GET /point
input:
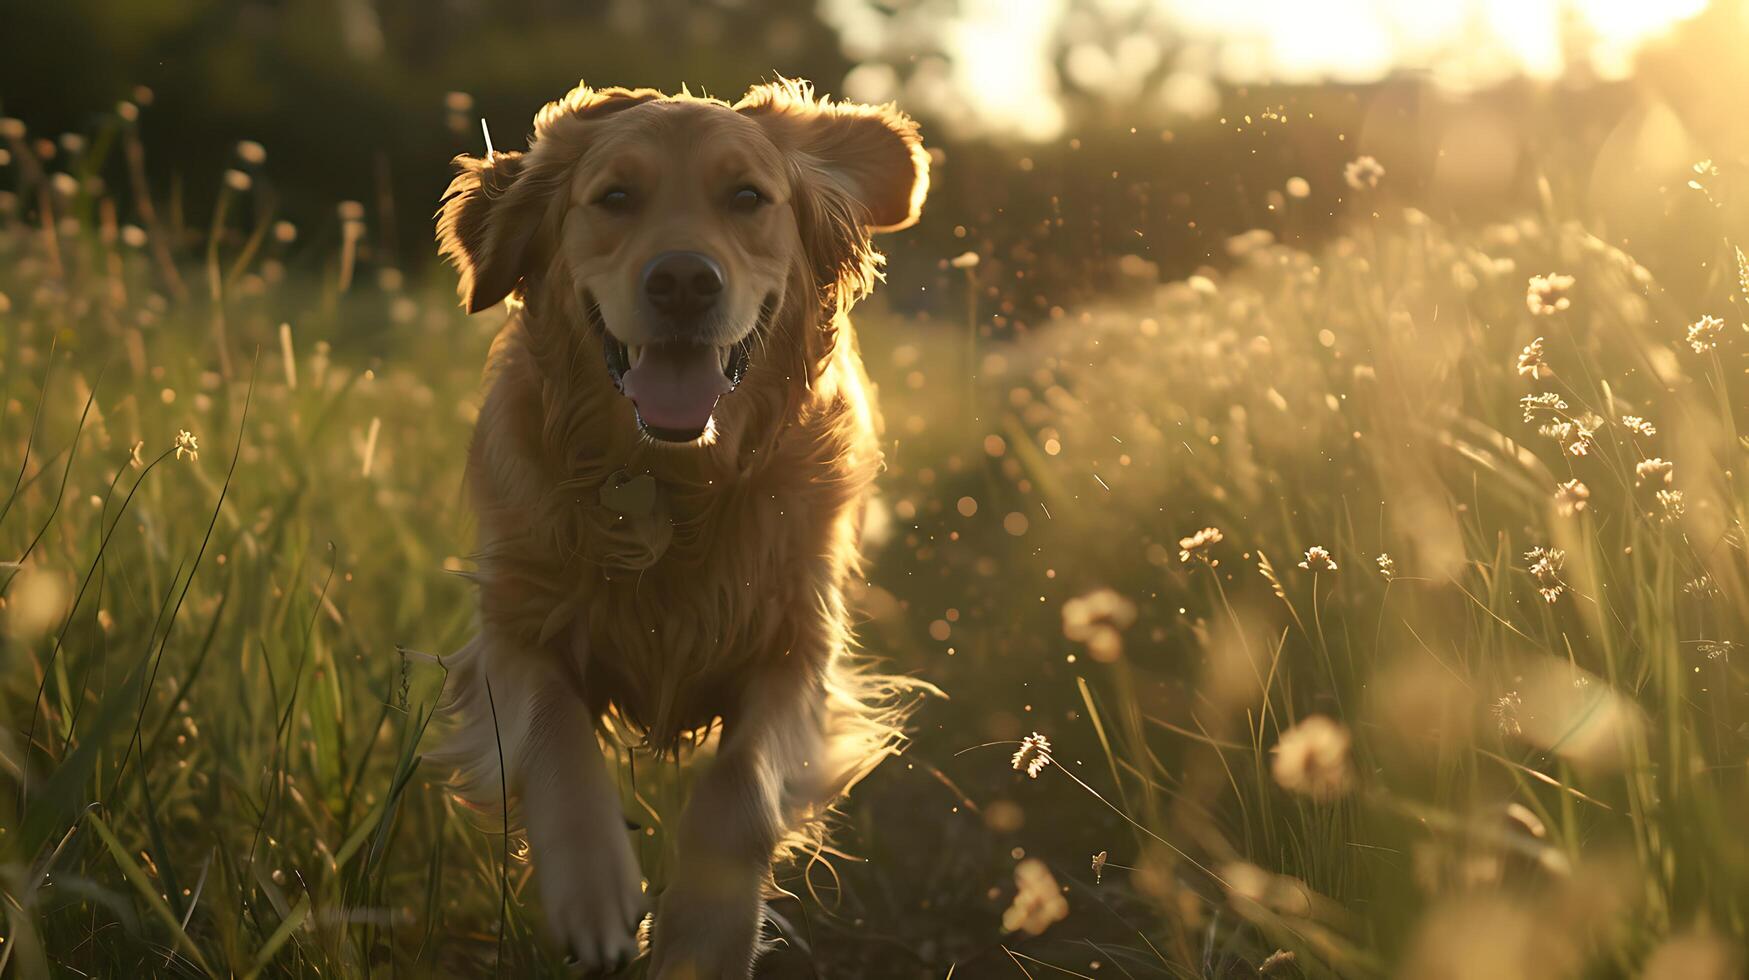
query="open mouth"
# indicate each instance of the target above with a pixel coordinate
(674, 385)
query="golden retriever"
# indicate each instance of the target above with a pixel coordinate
(670, 470)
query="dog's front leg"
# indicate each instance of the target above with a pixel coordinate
(521, 706)
(762, 780)
(588, 876)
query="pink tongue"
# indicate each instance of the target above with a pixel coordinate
(676, 386)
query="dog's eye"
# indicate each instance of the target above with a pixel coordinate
(746, 198)
(615, 199)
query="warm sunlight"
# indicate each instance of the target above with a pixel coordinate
(874, 489)
(1003, 67)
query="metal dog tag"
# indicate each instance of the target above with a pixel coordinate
(631, 495)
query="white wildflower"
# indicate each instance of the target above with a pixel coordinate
(1363, 173)
(1033, 756)
(1545, 566)
(1547, 295)
(1318, 559)
(1312, 759)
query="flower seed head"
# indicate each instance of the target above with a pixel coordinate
(1547, 295)
(1363, 173)
(187, 444)
(1318, 559)
(1312, 759)
(1196, 546)
(1033, 756)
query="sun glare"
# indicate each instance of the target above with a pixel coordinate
(1005, 68)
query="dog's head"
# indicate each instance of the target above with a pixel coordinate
(685, 238)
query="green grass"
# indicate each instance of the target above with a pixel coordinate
(212, 735)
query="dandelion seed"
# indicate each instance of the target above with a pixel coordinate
(252, 153)
(187, 443)
(1719, 650)
(1531, 363)
(1099, 866)
(1033, 756)
(1387, 566)
(1298, 188)
(1318, 560)
(1703, 334)
(1634, 423)
(1196, 547)
(1505, 711)
(1038, 900)
(1702, 586)
(1547, 295)
(1311, 759)
(964, 260)
(238, 181)
(1583, 437)
(1545, 566)
(1363, 173)
(1672, 504)
(1571, 497)
(1098, 620)
(1575, 436)
(1536, 406)
(1654, 470)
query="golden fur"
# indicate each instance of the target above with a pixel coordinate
(714, 589)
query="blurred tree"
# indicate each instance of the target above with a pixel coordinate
(348, 95)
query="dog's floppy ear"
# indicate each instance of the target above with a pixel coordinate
(486, 221)
(873, 155)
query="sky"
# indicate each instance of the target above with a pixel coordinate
(1002, 67)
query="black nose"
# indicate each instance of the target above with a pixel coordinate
(683, 285)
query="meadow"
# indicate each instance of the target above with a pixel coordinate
(1362, 608)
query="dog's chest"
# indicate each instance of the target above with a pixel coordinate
(735, 575)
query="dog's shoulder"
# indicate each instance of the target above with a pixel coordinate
(505, 464)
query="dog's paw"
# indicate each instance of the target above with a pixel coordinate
(709, 932)
(593, 899)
